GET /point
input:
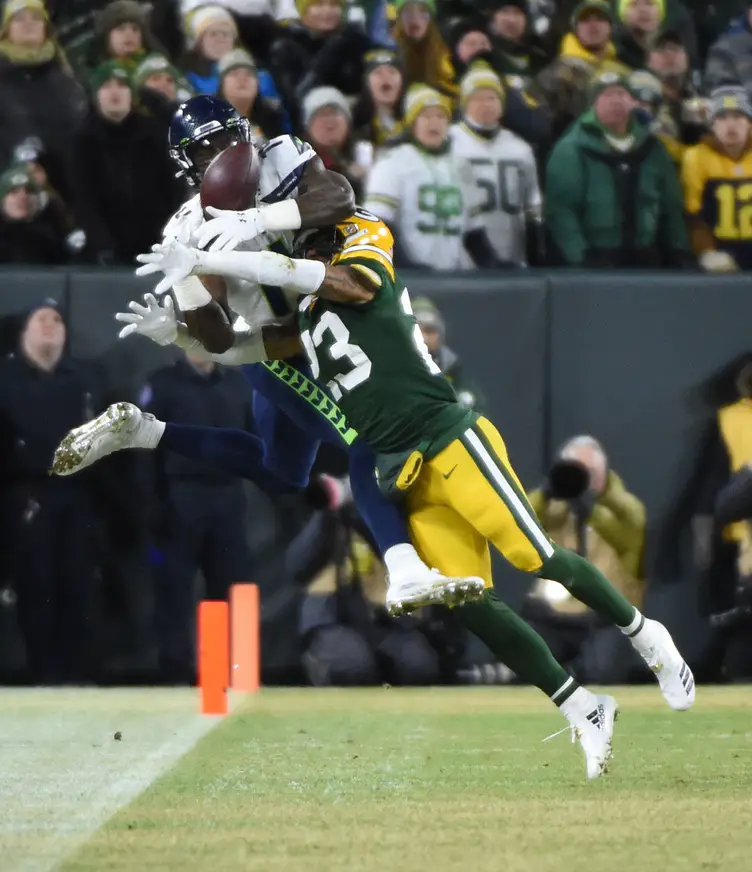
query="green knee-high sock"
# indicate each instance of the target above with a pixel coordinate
(517, 645)
(588, 585)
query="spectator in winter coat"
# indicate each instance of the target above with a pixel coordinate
(211, 33)
(328, 127)
(729, 61)
(516, 51)
(377, 116)
(38, 95)
(425, 57)
(318, 50)
(612, 194)
(159, 87)
(503, 167)
(641, 23)
(586, 51)
(426, 193)
(685, 112)
(524, 115)
(122, 33)
(125, 186)
(30, 231)
(717, 175)
(239, 85)
(256, 20)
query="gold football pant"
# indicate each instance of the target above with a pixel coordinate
(467, 496)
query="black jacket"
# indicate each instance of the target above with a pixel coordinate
(43, 101)
(300, 61)
(125, 186)
(37, 409)
(41, 240)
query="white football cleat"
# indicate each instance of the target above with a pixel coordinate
(656, 647)
(431, 588)
(121, 425)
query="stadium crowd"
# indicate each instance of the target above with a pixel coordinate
(487, 133)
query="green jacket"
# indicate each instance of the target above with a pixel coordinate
(608, 208)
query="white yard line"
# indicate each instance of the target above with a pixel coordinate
(63, 774)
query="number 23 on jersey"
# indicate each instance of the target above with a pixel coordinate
(331, 337)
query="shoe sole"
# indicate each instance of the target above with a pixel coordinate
(68, 458)
(453, 594)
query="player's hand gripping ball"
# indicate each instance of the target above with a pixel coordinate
(231, 180)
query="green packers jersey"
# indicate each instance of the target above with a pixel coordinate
(372, 356)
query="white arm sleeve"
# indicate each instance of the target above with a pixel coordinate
(264, 268)
(383, 190)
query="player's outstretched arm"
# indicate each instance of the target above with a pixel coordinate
(340, 283)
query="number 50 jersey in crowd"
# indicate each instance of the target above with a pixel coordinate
(372, 356)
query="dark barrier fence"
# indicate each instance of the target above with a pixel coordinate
(612, 354)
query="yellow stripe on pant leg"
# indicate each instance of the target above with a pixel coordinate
(457, 479)
(445, 540)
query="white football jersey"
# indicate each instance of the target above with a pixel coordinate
(504, 171)
(429, 202)
(283, 160)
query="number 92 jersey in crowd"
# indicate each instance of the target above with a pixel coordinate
(372, 356)
(283, 160)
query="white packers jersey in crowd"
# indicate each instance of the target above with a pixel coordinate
(428, 201)
(505, 172)
(282, 162)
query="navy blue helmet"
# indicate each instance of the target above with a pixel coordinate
(200, 129)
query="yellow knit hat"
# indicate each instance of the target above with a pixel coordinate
(302, 5)
(420, 97)
(13, 7)
(479, 76)
(625, 4)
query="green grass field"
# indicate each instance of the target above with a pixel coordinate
(442, 780)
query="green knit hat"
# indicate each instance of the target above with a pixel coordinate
(151, 64)
(109, 70)
(400, 5)
(17, 177)
(606, 80)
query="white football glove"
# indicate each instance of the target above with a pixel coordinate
(172, 258)
(718, 262)
(186, 222)
(230, 228)
(157, 322)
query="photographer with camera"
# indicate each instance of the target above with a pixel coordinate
(584, 505)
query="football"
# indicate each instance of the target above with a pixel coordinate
(231, 180)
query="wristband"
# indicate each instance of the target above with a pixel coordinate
(191, 294)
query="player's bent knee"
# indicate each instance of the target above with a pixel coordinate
(561, 566)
